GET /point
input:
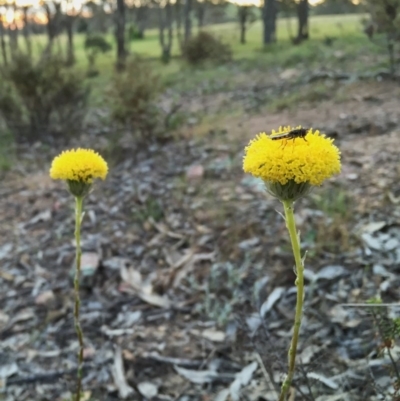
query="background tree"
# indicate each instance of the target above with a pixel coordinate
(165, 24)
(3, 40)
(216, 11)
(99, 17)
(385, 19)
(120, 20)
(302, 14)
(13, 30)
(26, 29)
(269, 21)
(200, 12)
(95, 44)
(246, 17)
(53, 14)
(72, 12)
(288, 8)
(338, 7)
(141, 16)
(178, 19)
(187, 11)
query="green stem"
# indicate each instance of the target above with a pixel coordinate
(294, 238)
(78, 220)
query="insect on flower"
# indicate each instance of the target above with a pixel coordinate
(293, 134)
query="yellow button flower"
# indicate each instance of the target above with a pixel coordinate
(291, 162)
(312, 159)
(78, 167)
(295, 163)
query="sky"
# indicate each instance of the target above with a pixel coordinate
(29, 2)
(9, 17)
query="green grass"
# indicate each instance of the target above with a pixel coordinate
(346, 27)
(250, 57)
(312, 94)
(350, 51)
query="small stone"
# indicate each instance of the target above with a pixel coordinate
(391, 244)
(195, 172)
(45, 298)
(192, 121)
(289, 73)
(147, 389)
(90, 262)
(249, 243)
(352, 176)
(88, 353)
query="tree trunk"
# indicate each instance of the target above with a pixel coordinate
(269, 21)
(242, 14)
(49, 28)
(91, 56)
(141, 18)
(169, 23)
(178, 19)
(243, 34)
(14, 33)
(26, 31)
(302, 14)
(3, 44)
(120, 34)
(166, 23)
(188, 21)
(13, 39)
(201, 12)
(69, 26)
(53, 25)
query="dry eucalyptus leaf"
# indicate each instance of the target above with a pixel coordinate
(271, 300)
(117, 370)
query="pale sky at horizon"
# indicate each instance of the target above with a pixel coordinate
(36, 2)
(77, 4)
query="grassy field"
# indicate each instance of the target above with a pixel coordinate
(350, 43)
(345, 28)
(350, 52)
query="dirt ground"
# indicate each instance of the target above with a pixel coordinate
(188, 288)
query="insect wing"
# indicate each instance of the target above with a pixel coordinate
(293, 134)
(281, 136)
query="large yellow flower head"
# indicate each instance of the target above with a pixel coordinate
(292, 162)
(78, 167)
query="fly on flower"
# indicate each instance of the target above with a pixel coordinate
(293, 134)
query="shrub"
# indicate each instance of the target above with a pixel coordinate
(134, 33)
(82, 25)
(206, 47)
(10, 108)
(7, 149)
(385, 18)
(132, 99)
(95, 44)
(42, 99)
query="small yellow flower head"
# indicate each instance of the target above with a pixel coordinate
(78, 167)
(290, 167)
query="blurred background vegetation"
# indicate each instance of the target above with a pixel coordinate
(65, 61)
